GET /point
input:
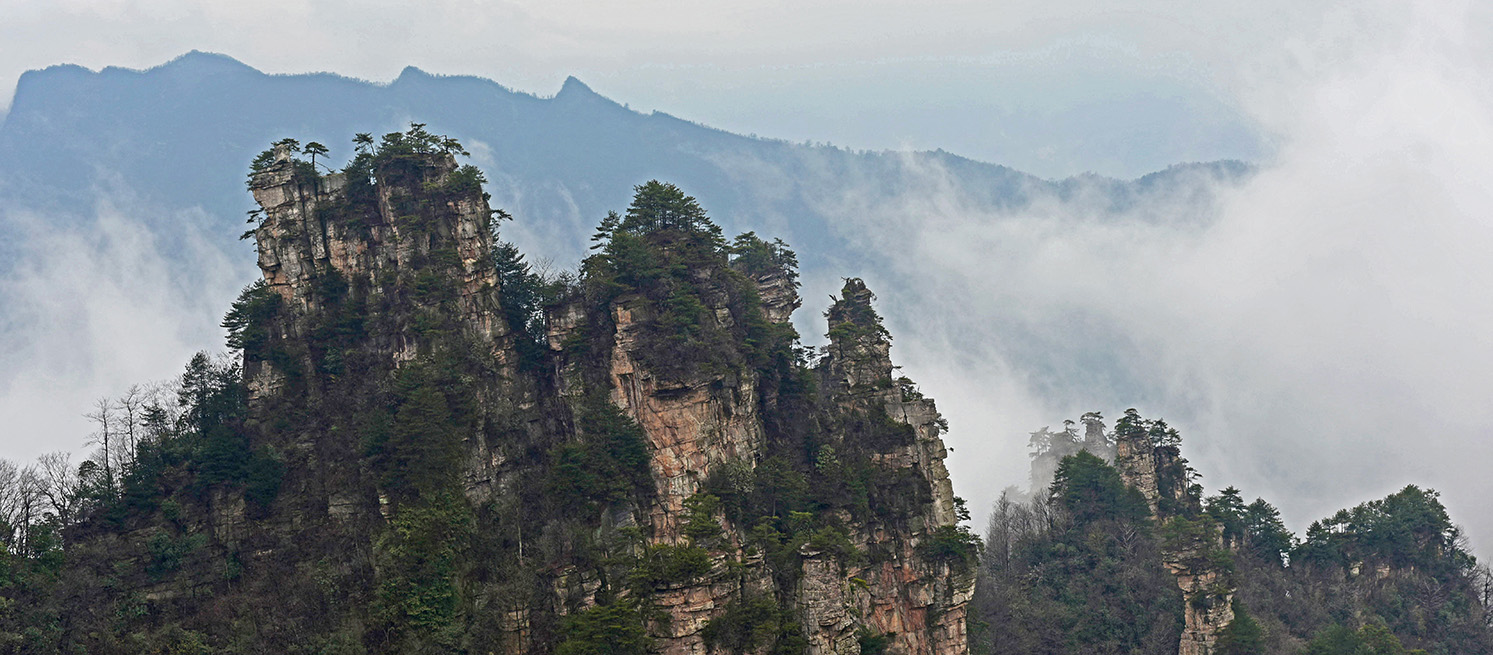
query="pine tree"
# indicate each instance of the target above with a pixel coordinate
(1243, 635)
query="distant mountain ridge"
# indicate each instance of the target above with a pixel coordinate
(557, 163)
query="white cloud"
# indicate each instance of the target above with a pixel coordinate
(1319, 336)
(96, 305)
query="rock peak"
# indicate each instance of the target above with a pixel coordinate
(574, 88)
(199, 62)
(859, 350)
(852, 319)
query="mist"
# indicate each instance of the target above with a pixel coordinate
(94, 307)
(1317, 334)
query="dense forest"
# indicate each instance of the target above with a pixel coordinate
(1083, 565)
(416, 443)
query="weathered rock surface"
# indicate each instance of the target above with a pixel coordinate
(922, 602)
(1207, 590)
(419, 462)
(696, 424)
(302, 235)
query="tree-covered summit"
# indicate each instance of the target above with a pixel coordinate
(1077, 565)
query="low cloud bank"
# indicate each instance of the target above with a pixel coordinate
(92, 309)
(1318, 333)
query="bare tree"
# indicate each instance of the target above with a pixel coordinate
(10, 503)
(1482, 583)
(60, 485)
(103, 417)
(1001, 534)
(21, 501)
(30, 500)
(132, 409)
(162, 412)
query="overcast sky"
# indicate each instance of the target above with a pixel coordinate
(1323, 342)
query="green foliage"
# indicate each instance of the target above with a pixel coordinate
(248, 320)
(1373, 638)
(362, 456)
(785, 515)
(521, 297)
(169, 640)
(211, 440)
(835, 541)
(1132, 426)
(1256, 527)
(669, 264)
(1077, 572)
(699, 517)
(659, 208)
(953, 545)
(873, 643)
(420, 592)
(746, 624)
(853, 319)
(420, 451)
(167, 552)
(608, 463)
(262, 161)
(1092, 490)
(1267, 535)
(416, 142)
(262, 477)
(314, 150)
(1242, 636)
(334, 330)
(616, 628)
(756, 257)
(754, 624)
(464, 181)
(1398, 559)
(664, 565)
(1407, 528)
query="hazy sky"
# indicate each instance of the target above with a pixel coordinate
(1321, 342)
(1052, 88)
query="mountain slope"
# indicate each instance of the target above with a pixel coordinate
(424, 448)
(558, 162)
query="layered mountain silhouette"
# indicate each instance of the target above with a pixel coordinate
(166, 134)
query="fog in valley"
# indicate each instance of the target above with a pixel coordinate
(1315, 329)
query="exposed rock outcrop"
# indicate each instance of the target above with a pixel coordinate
(1208, 592)
(431, 449)
(696, 424)
(921, 601)
(1194, 547)
(1135, 457)
(310, 227)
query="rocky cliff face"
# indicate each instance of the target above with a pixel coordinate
(700, 424)
(923, 602)
(461, 457)
(1135, 457)
(311, 228)
(1209, 593)
(1193, 546)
